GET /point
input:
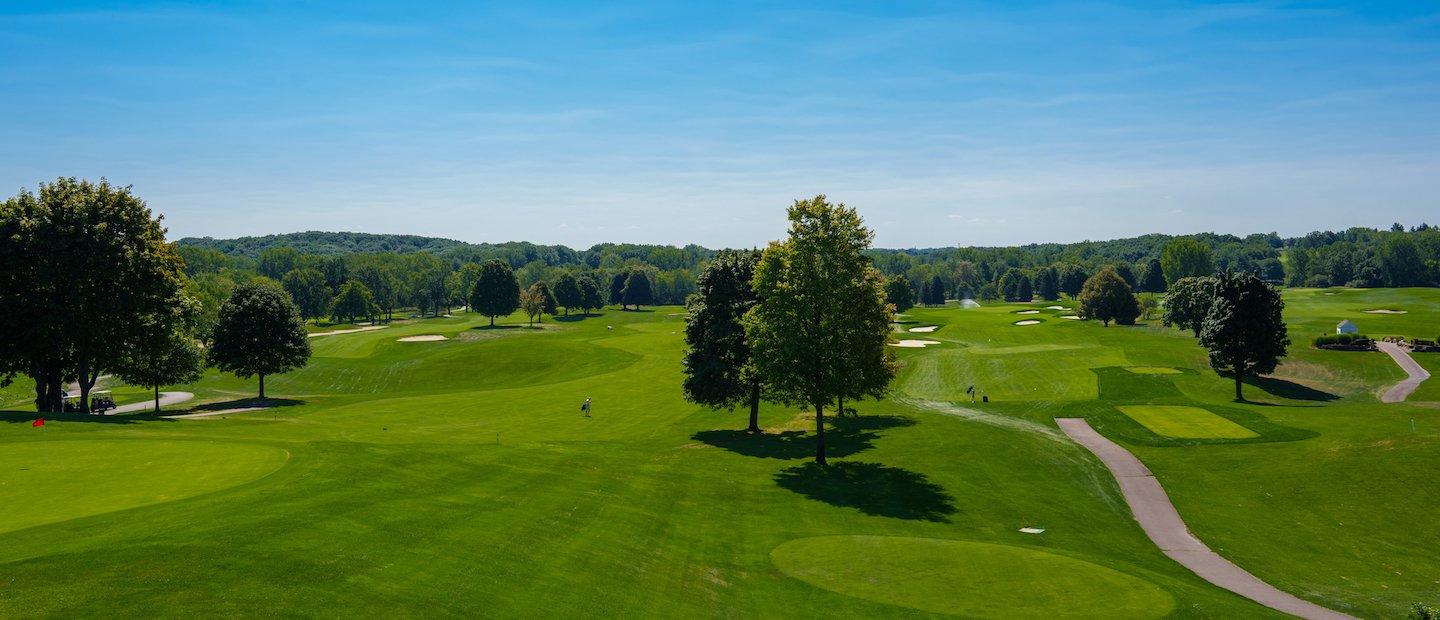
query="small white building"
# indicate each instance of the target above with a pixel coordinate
(1346, 327)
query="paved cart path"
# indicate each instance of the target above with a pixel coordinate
(1161, 522)
(1400, 391)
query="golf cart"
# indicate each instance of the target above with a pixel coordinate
(100, 402)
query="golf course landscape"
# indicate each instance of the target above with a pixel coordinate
(457, 476)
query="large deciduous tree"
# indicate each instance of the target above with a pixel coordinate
(1152, 277)
(567, 292)
(617, 288)
(384, 284)
(354, 300)
(1184, 257)
(1047, 283)
(1188, 303)
(87, 277)
(815, 337)
(169, 359)
(496, 292)
(900, 293)
(427, 282)
(1107, 297)
(638, 289)
(309, 290)
(591, 298)
(547, 299)
(532, 301)
(259, 333)
(1244, 330)
(460, 282)
(1072, 279)
(719, 372)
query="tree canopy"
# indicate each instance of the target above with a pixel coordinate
(1244, 330)
(353, 301)
(496, 292)
(638, 291)
(1184, 257)
(900, 293)
(1107, 297)
(309, 290)
(259, 333)
(1189, 302)
(718, 370)
(567, 292)
(819, 333)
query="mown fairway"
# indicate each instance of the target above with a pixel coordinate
(459, 478)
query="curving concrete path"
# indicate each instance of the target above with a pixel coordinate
(166, 399)
(1402, 390)
(1162, 523)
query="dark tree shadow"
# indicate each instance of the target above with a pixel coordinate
(503, 326)
(871, 488)
(857, 422)
(787, 445)
(242, 403)
(568, 319)
(1289, 389)
(28, 417)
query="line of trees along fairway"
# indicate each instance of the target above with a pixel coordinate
(86, 280)
(719, 370)
(354, 301)
(259, 333)
(818, 334)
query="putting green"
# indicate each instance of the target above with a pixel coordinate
(52, 481)
(968, 578)
(1152, 370)
(1181, 422)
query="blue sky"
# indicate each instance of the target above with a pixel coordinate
(944, 123)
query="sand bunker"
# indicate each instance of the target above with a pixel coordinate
(1056, 308)
(1028, 312)
(1032, 530)
(1027, 322)
(425, 338)
(924, 330)
(1072, 317)
(1385, 311)
(914, 344)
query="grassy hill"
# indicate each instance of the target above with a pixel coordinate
(458, 477)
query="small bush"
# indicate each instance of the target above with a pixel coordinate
(1421, 611)
(1344, 340)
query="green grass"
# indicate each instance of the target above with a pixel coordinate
(458, 478)
(1183, 422)
(978, 580)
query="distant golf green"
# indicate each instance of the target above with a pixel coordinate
(459, 478)
(1183, 422)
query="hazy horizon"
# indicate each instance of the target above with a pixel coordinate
(943, 124)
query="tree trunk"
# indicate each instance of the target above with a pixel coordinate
(840, 410)
(820, 435)
(492, 321)
(157, 399)
(262, 386)
(87, 382)
(1239, 378)
(754, 407)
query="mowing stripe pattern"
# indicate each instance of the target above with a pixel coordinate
(1162, 523)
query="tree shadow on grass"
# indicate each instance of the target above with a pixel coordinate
(1289, 389)
(28, 417)
(786, 445)
(871, 488)
(502, 326)
(244, 403)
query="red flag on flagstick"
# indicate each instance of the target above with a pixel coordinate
(38, 422)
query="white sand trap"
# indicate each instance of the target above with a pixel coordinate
(1072, 317)
(337, 332)
(1027, 322)
(1028, 312)
(924, 330)
(425, 338)
(1033, 530)
(914, 344)
(1056, 308)
(969, 303)
(1385, 311)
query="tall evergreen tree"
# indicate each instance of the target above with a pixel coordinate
(1107, 297)
(260, 332)
(1244, 331)
(718, 370)
(496, 292)
(819, 333)
(1047, 284)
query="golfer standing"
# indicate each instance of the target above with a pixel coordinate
(585, 406)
